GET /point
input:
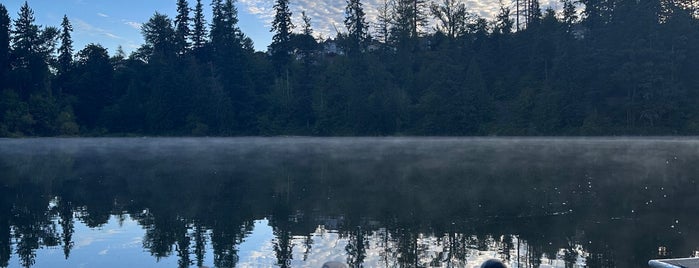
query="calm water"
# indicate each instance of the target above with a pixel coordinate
(299, 202)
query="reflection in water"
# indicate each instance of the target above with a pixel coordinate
(293, 202)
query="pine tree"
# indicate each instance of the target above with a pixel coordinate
(159, 35)
(25, 35)
(225, 34)
(355, 22)
(199, 33)
(65, 52)
(182, 31)
(4, 44)
(503, 23)
(409, 18)
(534, 13)
(281, 26)
(569, 14)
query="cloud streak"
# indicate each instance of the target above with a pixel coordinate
(91, 30)
(133, 24)
(102, 15)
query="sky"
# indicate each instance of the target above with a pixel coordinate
(114, 23)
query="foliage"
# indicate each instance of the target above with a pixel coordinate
(616, 67)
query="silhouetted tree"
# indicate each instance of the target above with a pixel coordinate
(199, 32)
(281, 27)
(357, 27)
(182, 30)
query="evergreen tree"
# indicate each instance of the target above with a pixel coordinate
(225, 33)
(32, 51)
(65, 51)
(25, 35)
(4, 45)
(355, 22)
(159, 35)
(409, 18)
(182, 31)
(199, 32)
(570, 15)
(281, 26)
(504, 23)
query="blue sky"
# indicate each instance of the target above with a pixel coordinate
(117, 22)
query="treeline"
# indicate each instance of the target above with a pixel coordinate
(598, 67)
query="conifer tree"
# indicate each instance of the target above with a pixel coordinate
(65, 51)
(25, 35)
(182, 31)
(281, 26)
(199, 32)
(355, 22)
(4, 44)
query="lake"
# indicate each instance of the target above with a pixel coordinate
(376, 202)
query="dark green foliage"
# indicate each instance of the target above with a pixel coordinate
(182, 31)
(4, 45)
(65, 51)
(199, 31)
(355, 21)
(281, 27)
(624, 67)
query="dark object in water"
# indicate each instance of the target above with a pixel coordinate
(675, 263)
(493, 264)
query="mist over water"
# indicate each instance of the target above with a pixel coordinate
(600, 202)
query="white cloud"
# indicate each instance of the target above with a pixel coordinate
(327, 16)
(133, 24)
(102, 15)
(89, 29)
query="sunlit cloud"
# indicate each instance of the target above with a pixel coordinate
(102, 15)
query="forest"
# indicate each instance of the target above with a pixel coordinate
(423, 68)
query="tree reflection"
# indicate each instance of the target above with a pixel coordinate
(408, 208)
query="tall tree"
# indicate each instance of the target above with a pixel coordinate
(357, 27)
(570, 15)
(159, 35)
(182, 31)
(383, 23)
(281, 26)
(409, 18)
(65, 51)
(25, 35)
(225, 33)
(32, 50)
(452, 17)
(199, 32)
(503, 23)
(4, 44)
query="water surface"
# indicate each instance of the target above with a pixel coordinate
(377, 202)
